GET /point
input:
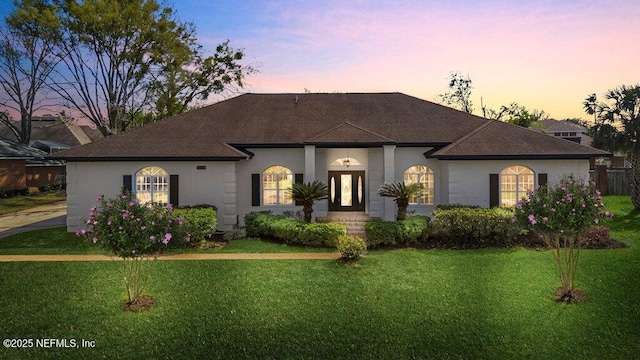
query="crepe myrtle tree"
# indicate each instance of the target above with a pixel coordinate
(557, 215)
(307, 194)
(401, 193)
(136, 232)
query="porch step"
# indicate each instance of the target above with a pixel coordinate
(354, 222)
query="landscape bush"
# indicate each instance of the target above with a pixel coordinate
(350, 247)
(290, 231)
(14, 192)
(473, 227)
(322, 234)
(392, 233)
(200, 222)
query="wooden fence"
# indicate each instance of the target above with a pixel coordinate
(619, 181)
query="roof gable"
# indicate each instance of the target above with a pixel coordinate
(348, 133)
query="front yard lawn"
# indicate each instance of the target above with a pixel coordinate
(400, 304)
(439, 304)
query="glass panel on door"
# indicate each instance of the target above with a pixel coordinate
(346, 195)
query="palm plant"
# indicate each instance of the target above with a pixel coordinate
(402, 193)
(307, 194)
(617, 128)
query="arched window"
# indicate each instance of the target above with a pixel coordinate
(515, 181)
(276, 182)
(422, 175)
(152, 185)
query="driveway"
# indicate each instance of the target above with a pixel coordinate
(41, 217)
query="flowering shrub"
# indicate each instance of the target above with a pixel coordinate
(570, 207)
(128, 228)
(132, 230)
(558, 215)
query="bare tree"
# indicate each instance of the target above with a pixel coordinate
(459, 95)
(26, 61)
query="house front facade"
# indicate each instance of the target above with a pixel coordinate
(243, 154)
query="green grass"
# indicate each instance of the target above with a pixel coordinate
(625, 224)
(402, 304)
(18, 203)
(488, 304)
(58, 241)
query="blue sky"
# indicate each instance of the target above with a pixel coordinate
(545, 55)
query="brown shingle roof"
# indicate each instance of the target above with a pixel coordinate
(254, 120)
(500, 140)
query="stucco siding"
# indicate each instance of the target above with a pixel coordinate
(468, 181)
(213, 184)
(410, 156)
(292, 158)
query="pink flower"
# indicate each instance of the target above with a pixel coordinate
(133, 252)
(608, 213)
(532, 219)
(545, 219)
(95, 239)
(152, 238)
(167, 237)
(109, 223)
(100, 197)
(187, 239)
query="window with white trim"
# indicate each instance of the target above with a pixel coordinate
(423, 175)
(152, 185)
(515, 182)
(276, 184)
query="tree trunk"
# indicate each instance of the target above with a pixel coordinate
(308, 210)
(402, 209)
(635, 179)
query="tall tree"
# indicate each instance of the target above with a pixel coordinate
(617, 128)
(459, 95)
(520, 115)
(123, 58)
(187, 75)
(108, 48)
(26, 60)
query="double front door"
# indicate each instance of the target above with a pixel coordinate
(346, 190)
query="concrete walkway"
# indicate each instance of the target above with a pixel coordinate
(41, 217)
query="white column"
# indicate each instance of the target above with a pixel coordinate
(309, 163)
(389, 177)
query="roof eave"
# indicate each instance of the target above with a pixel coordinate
(521, 157)
(151, 158)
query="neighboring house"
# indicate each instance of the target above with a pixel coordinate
(60, 134)
(567, 130)
(22, 166)
(577, 133)
(243, 154)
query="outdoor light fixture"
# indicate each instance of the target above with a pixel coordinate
(346, 162)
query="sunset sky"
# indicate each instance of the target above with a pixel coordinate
(545, 55)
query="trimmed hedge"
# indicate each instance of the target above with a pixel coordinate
(474, 227)
(14, 192)
(200, 222)
(350, 247)
(290, 231)
(391, 233)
